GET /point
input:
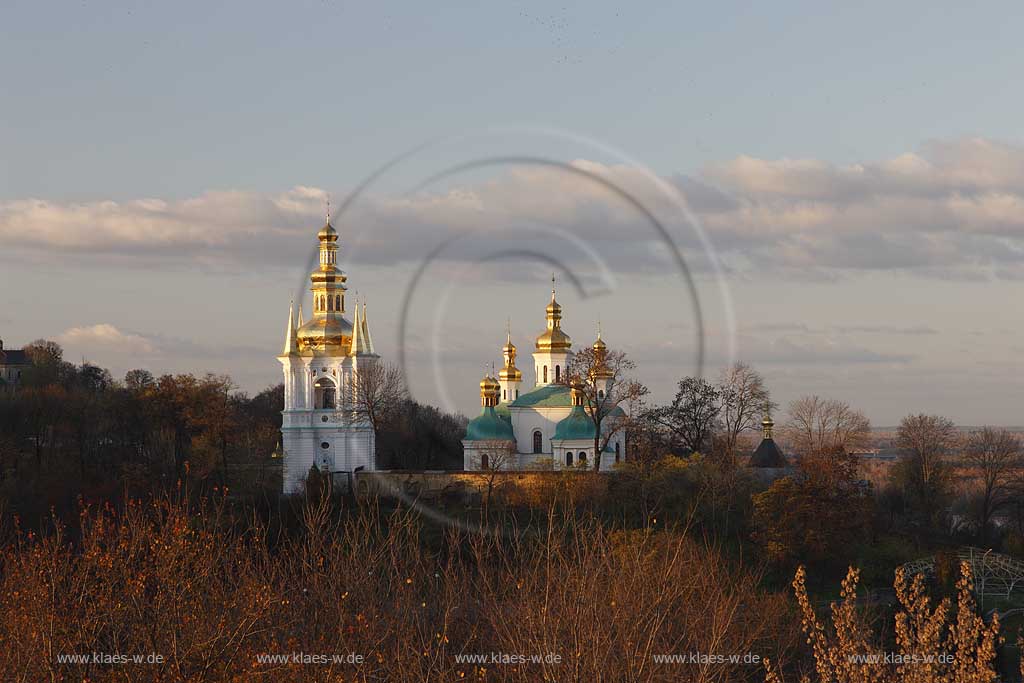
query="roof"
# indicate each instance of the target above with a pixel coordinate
(577, 425)
(489, 426)
(548, 396)
(503, 412)
(14, 357)
(767, 454)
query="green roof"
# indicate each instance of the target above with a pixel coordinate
(489, 426)
(549, 396)
(503, 412)
(577, 425)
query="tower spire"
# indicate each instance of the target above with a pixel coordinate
(290, 343)
(367, 339)
(357, 342)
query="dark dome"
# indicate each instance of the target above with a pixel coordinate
(767, 455)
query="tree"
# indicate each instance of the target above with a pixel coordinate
(692, 417)
(377, 391)
(819, 425)
(995, 456)
(48, 364)
(500, 456)
(927, 441)
(744, 401)
(818, 514)
(600, 377)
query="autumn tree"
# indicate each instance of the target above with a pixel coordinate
(994, 455)
(744, 401)
(821, 425)
(925, 470)
(817, 514)
(692, 417)
(600, 376)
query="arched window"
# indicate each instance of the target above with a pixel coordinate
(517, 393)
(504, 395)
(568, 459)
(485, 462)
(583, 457)
(337, 302)
(600, 393)
(558, 373)
(538, 442)
(324, 394)
(545, 374)
(617, 455)
(330, 304)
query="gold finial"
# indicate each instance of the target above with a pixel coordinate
(552, 286)
(508, 330)
(328, 208)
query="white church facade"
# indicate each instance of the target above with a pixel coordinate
(546, 426)
(321, 359)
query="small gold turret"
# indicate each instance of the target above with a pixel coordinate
(553, 339)
(489, 391)
(767, 425)
(601, 369)
(509, 373)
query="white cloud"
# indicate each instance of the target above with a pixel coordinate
(104, 338)
(953, 209)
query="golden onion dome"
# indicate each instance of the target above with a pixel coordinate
(326, 333)
(510, 373)
(489, 383)
(599, 344)
(327, 233)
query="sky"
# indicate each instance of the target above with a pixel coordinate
(833, 193)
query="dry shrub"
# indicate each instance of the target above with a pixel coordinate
(212, 596)
(932, 645)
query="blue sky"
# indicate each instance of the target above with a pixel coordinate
(121, 102)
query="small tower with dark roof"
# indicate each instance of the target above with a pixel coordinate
(767, 454)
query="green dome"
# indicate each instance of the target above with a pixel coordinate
(576, 426)
(489, 426)
(503, 412)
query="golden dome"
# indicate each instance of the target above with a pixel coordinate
(328, 233)
(509, 373)
(326, 332)
(553, 339)
(488, 383)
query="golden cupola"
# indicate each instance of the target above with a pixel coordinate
(553, 338)
(327, 331)
(509, 373)
(601, 369)
(490, 390)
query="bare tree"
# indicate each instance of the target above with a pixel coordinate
(820, 425)
(995, 455)
(377, 391)
(927, 441)
(601, 377)
(692, 417)
(744, 400)
(496, 456)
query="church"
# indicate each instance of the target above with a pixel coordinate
(547, 426)
(321, 359)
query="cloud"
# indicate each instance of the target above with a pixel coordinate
(104, 338)
(952, 209)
